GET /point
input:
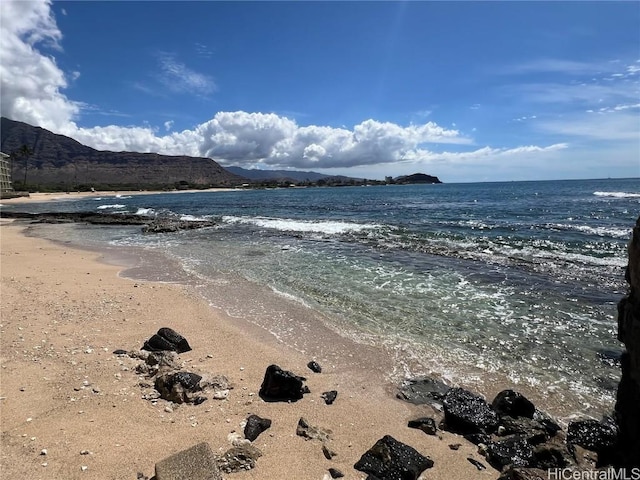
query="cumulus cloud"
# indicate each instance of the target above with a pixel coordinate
(31, 82)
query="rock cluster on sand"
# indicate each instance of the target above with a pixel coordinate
(513, 435)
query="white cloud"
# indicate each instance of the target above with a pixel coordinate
(168, 125)
(181, 79)
(610, 125)
(31, 82)
(558, 65)
(600, 108)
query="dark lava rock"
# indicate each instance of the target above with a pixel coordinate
(255, 426)
(314, 367)
(335, 473)
(426, 424)
(476, 463)
(477, 438)
(628, 397)
(592, 434)
(168, 225)
(178, 387)
(329, 397)
(519, 473)
(120, 351)
(514, 404)
(511, 451)
(239, 459)
(534, 431)
(466, 412)
(422, 391)
(390, 459)
(281, 386)
(79, 217)
(613, 358)
(328, 453)
(310, 432)
(547, 422)
(551, 456)
(455, 446)
(167, 339)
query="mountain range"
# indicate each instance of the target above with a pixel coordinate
(59, 162)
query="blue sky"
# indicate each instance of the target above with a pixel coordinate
(467, 91)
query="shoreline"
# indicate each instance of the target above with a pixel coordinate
(81, 309)
(38, 197)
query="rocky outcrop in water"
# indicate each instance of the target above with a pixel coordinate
(79, 217)
(627, 410)
(150, 224)
(169, 225)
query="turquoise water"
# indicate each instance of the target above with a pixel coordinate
(515, 281)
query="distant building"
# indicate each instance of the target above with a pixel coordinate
(5, 174)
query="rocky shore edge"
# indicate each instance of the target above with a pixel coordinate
(150, 224)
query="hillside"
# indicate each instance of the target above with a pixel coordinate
(61, 163)
(416, 178)
(294, 176)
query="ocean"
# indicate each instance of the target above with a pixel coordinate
(512, 284)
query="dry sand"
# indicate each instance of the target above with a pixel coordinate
(63, 313)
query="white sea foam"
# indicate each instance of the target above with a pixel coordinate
(292, 225)
(111, 207)
(617, 194)
(599, 231)
(193, 218)
(145, 211)
(289, 296)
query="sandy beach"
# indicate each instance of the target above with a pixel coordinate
(39, 197)
(65, 311)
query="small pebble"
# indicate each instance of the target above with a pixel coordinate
(43, 451)
(44, 464)
(220, 394)
(85, 452)
(84, 468)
